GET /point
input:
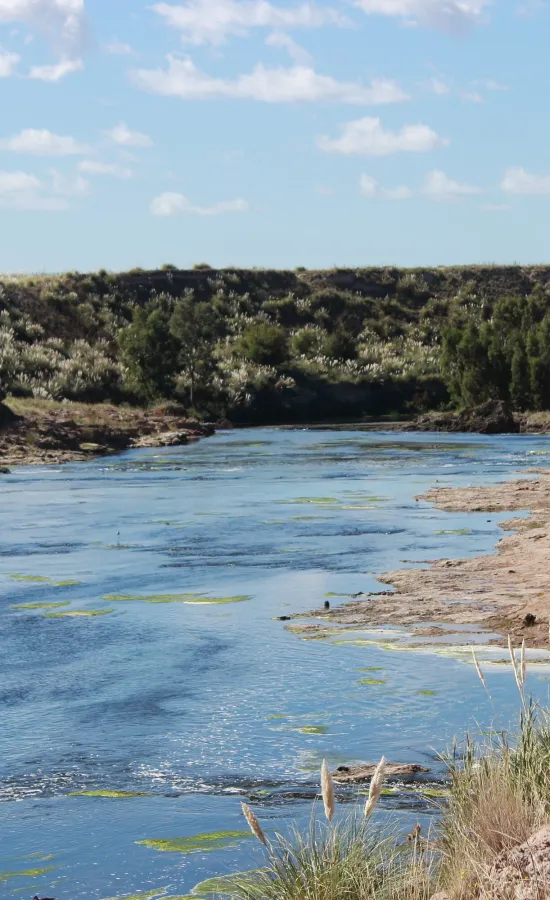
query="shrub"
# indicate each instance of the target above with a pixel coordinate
(263, 344)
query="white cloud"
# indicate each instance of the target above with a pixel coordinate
(62, 21)
(369, 187)
(453, 16)
(42, 143)
(398, 193)
(213, 21)
(438, 86)
(280, 85)
(285, 42)
(490, 85)
(471, 97)
(368, 137)
(15, 182)
(92, 167)
(69, 186)
(118, 48)
(23, 192)
(517, 181)
(324, 190)
(171, 204)
(438, 186)
(124, 137)
(57, 71)
(8, 63)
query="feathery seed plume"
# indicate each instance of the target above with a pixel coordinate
(327, 790)
(375, 787)
(523, 662)
(478, 669)
(254, 824)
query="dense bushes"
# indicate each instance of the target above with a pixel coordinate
(274, 346)
(501, 352)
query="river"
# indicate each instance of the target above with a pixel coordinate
(182, 687)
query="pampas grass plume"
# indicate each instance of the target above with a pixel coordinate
(255, 826)
(327, 790)
(375, 787)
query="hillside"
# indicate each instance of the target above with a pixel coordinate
(261, 345)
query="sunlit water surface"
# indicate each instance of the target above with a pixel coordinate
(198, 706)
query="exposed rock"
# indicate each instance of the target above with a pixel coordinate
(522, 873)
(365, 771)
(165, 439)
(493, 417)
(4, 470)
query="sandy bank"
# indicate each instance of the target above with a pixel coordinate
(496, 592)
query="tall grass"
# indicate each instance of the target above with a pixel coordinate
(499, 796)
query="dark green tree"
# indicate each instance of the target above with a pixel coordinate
(264, 344)
(340, 345)
(150, 354)
(194, 326)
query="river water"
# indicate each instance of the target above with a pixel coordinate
(197, 705)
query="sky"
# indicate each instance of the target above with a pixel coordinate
(276, 133)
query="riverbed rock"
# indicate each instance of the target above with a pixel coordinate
(365, 771)
(492, 417)
(165, 439)
(522, 873)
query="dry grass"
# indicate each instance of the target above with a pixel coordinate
(81, 413)
(499, 796)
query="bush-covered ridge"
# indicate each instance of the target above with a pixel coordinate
(263, 345)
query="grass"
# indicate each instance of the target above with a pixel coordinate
(498, 796)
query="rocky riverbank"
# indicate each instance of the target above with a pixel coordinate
(507, 593)
(37, 433)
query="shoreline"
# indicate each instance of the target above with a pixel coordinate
(495, 592)
(47, 433)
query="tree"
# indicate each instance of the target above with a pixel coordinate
(519, 378)
(264, 344)
(149, 351)
(340, 345)
(194, 326)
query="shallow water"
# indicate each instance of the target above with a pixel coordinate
(197, 705)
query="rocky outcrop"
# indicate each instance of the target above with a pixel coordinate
(522, 873)
(75, 432)
(365, 771)
(493, 417)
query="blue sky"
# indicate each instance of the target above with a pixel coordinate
(273, 133)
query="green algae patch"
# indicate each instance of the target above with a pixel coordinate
(198, 843)
(79, 614)
(223, 885)
(152, 598)
(33, 578)
(372, 681)
(313, 729)
(276, 716)
(371, 669)
(455, 531)
(427, 693)
(27, 873)
(66, 583)
(113, 795)
(24, 606)
(209, 601)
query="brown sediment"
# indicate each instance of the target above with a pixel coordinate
(48, 433)
(495, 592)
